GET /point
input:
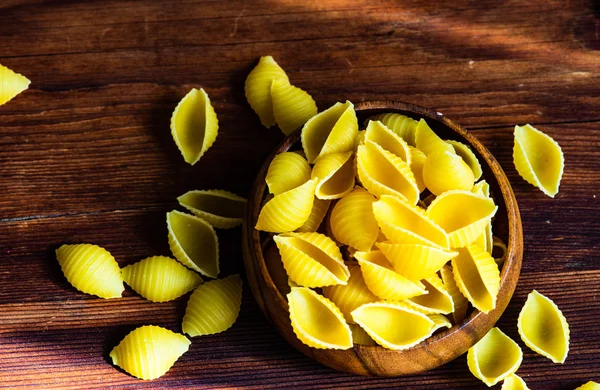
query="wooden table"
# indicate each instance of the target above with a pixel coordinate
(86, 155)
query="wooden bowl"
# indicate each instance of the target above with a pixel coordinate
(269, 282)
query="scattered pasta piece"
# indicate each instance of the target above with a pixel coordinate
(429, 142)
(445, 171)
(544, 328)
(335, 175)
(194, 243)
(148, 352)
(289, 210)
(194, 125)
(352, 221)
(591, 385)
(287, 171)
(378, 133)
(91, 270)
(258, 88)
(213, 307)
(538, 159)
(402, 125)
(316, 216)
(415, 261)
(477, 277)
(417, 162)
(436, 300)
(465, 152)
(317, 321)
(494, 357)
(461, 304)
(331, 131)
(222, 209)
(160, 278)
(11, 84)
(514, 382)
(292, 106)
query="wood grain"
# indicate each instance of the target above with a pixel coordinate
(86, 156)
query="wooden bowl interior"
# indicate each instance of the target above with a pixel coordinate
(269, 282)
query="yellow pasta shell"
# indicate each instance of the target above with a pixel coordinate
(429, 142)
(289, 210)
(292, 106)
(465, 152)
(439, 321)
(462, 214)
(91, 270)
(360, 337)
(317, 214)
(331, 131)
(160, 278)
(477, 277)
(444, 171)
(287, 171)
(383, 281)
(352, 295)
(194, 243)
(11, 84)
(402, 125)
(494, 357)
(591, 385)
(352, 221)
(383, 173)
(335, 175)
(194, 125)
(461, 304)
(417, 162)
(316, 321)
(482, 188)
(393, 325)
(213, 307)
(222, 209)
(538, 159)
(514, 382)
(544, 328)
(415, 261)
(436, 300)
(312, 259)
(258, 88)
(378, 133)
(403, 223)
(149, 351)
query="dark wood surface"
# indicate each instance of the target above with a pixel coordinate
(86, 156)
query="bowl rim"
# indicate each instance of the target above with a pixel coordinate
(509, 272)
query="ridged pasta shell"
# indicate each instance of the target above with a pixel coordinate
(222, 209)
(194, 125)
(498, 243)
(591, 385)
(317, 214)
(287, 171)
(461, 304)
(11, 84)
(292, 106)
(331, 131)
(494, 357)
(160, 278)
(445, 171)
(427, 141)
(465, 152)
(352, 295)
(383, 173)
(335, 175)
(439, 321)
(149, 351)
(393, 325)
(544, 328)
(360, 337)
(258, 88)
(194, 243)
(417, 162)
(482, 188)
(378, 133)
(477, 277)
(316, 321)
(402, 125)
(514, 382)
(91, 270)
(538, 159)
(312, 259)
(415, 261)
(360, 139)
(485, 239)
(289, 210)
(352, 221)
(462, 214)
(383, 281)
(437, 299)
(403, 223)
(213, 307)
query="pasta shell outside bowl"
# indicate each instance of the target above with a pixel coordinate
(268, 280)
